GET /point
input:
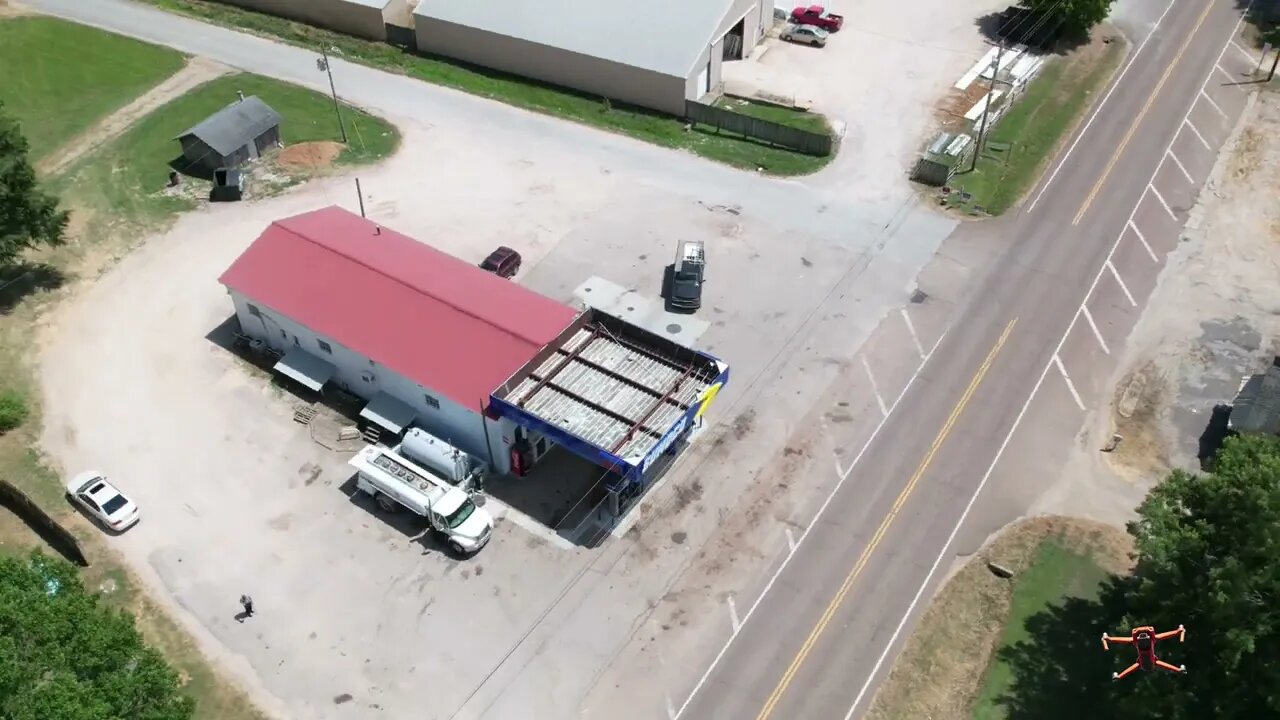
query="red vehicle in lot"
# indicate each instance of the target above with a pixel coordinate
(817, 16)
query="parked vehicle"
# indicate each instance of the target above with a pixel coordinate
(455, 466)
(503, 262)
(395, 482)
(805, 35)
(687, 276)
(91, 491)
(817, 15)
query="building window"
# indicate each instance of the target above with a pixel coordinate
(432, 401)
(254, 311)
(325, 346)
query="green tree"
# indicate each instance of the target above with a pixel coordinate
(28, 216)
(1208, 556)
(65, 655)
(1077, 16)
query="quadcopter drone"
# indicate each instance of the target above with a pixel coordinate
(1144, 640)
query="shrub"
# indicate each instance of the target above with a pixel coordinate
(13, 410)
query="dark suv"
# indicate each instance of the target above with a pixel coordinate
(503, 262)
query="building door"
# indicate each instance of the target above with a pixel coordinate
(704, 80)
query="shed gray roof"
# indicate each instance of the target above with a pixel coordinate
(235, 125)
(1257, 407)
(665, 36)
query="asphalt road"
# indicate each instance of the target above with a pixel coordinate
(826, 626)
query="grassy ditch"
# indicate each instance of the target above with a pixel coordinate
(590, 110)
(1036, 125)
(948, 669)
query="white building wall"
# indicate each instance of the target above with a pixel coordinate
(460, 426)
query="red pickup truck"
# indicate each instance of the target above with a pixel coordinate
(818, 16)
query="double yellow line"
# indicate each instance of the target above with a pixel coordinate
(830, 612)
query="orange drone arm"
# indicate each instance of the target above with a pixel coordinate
(1125, 672)
(1124, 639)
(1181, 632)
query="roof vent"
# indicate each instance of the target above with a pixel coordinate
(377, 229)
(240, 93)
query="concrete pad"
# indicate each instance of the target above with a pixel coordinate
(641, 310)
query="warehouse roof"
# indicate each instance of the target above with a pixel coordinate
(235, 125)
(665, 36)
(437, 320)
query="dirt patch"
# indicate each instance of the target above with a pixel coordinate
(196, 72)
(942, 666)
(10, 9)
(310, 156)
(1138, 410)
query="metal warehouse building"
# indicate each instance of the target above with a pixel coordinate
(431, 341)
(652, 54)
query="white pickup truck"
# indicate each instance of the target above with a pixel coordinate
(396, 482)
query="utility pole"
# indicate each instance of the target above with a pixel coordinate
(1273, 66)
(360, 195)
(323, 64)
(986, 108)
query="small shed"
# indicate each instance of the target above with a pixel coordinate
(233, 136)
(1256, 409)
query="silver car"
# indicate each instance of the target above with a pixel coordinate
(805, 35)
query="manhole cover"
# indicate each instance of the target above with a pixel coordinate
(631, 308)
(674, 328)
(919, 296)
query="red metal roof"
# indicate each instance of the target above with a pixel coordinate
(437, 320)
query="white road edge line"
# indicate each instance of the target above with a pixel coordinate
(875, 389)
(1070, 385)
(1101, 105)
(791, 539)
(911, 328)
(844, 475)
(1116, 274)
(733, 614)
(1200, 137)
(1163, 204)
(1224, 72)
(1143, 240)
(1181, 167)
(1088, 316)
(1214, 104)
(946, 547)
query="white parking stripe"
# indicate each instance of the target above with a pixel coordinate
(1070, 385)
(1224, 72)
(1181, 167)
(1244, 52)
(1114, 273)
(733, 614)
(875, 389)
(911, 328)
(1205, 95)
(1143, 240)
(791, 539)
(1088, 316)
(1203, 142)
(1163, 204)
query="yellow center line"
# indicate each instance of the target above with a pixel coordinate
(1138, 120)
(884, 527)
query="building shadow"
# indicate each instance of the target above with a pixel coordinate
(183, 166)
(1215, 433)
(559, 492)
(22, 280)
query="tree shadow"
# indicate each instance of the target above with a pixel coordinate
(1216, 432)
(23, 279)
(1039, 31)
(1061, 672)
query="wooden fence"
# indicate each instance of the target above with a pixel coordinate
(34, 516)
(810, 143)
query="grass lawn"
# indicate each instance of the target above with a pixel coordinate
(1056, 572)
(60, 78)
(126, 179)
(1037, 123)
(638, 123)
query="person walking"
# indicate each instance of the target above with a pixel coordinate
(247, 603)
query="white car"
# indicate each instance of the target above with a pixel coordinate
(806, 35)
(92, 491)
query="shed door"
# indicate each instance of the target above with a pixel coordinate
(704, 80)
